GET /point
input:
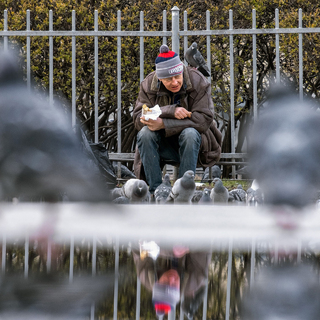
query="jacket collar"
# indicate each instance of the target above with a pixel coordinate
(187, 85)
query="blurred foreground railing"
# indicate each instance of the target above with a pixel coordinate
(198, 226)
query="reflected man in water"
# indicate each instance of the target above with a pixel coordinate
(174, 275)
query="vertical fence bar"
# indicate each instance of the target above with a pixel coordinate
(300, 58)
(208, 44)
(141, 48)
(92, 311)
(5, 28)
(205, 298)
(175, 30)
(116, 282)
(299, 249)
(94, 256)
(176, 48)
(138, 299)
(119, 89)
(229, 280)
(205, 301)
(96, 79)
(209, 64)
(50, 59)
(253, 261)
(73, 104)
(185, 38)
(49, 254)
(94, 270)
(276, 253)
(28, 53)
(181, 309)
(172, 314)
(26, 257)
(232, 90)
(254, 65)
(164, 27)
(71, 259)
(277, 49)
(4, 254)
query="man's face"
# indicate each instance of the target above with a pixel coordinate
(171, 278)
(174, 83)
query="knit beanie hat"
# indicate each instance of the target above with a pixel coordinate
(164, 298)
(168, 63)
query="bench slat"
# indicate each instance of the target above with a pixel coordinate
(113, 156)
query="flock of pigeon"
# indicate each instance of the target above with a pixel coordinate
(284, 157)
(184, 190)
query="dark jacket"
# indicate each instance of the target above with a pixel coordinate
(192, 267)
(195, 96)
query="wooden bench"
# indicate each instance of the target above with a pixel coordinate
(128, 157)
(225, 159)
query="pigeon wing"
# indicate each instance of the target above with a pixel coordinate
(162, 192)
(174, 192)
(189, 56)
(202, 66)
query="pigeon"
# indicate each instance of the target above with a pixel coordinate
(238, 194)
(196, 60)
(183, 189)
(244, 172)
(254, 184)
(282, 292)
(116, 193)
(197, 196)
(121, 200)
(215, 173)
(205, 199)
(135, 190)
(234, 198)
(254, 195)
(253, 198)
(41, 158)
(219, 193)
(52, 297)
(125, 172)
(149, 198)
(284, 151)
(163, 190)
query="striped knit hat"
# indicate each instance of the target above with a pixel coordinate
(164, 298)
(168, 63)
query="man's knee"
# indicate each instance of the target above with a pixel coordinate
(190, 135)
(145, 134)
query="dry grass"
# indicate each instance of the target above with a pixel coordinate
(228, 183)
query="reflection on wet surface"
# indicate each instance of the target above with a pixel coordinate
(134, 300)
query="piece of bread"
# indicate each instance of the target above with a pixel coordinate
(146, 108)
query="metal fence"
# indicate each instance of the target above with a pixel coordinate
(176, 36)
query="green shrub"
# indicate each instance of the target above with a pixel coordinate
(130, 51)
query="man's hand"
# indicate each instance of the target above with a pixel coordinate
(182, 113)
(153, 125)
